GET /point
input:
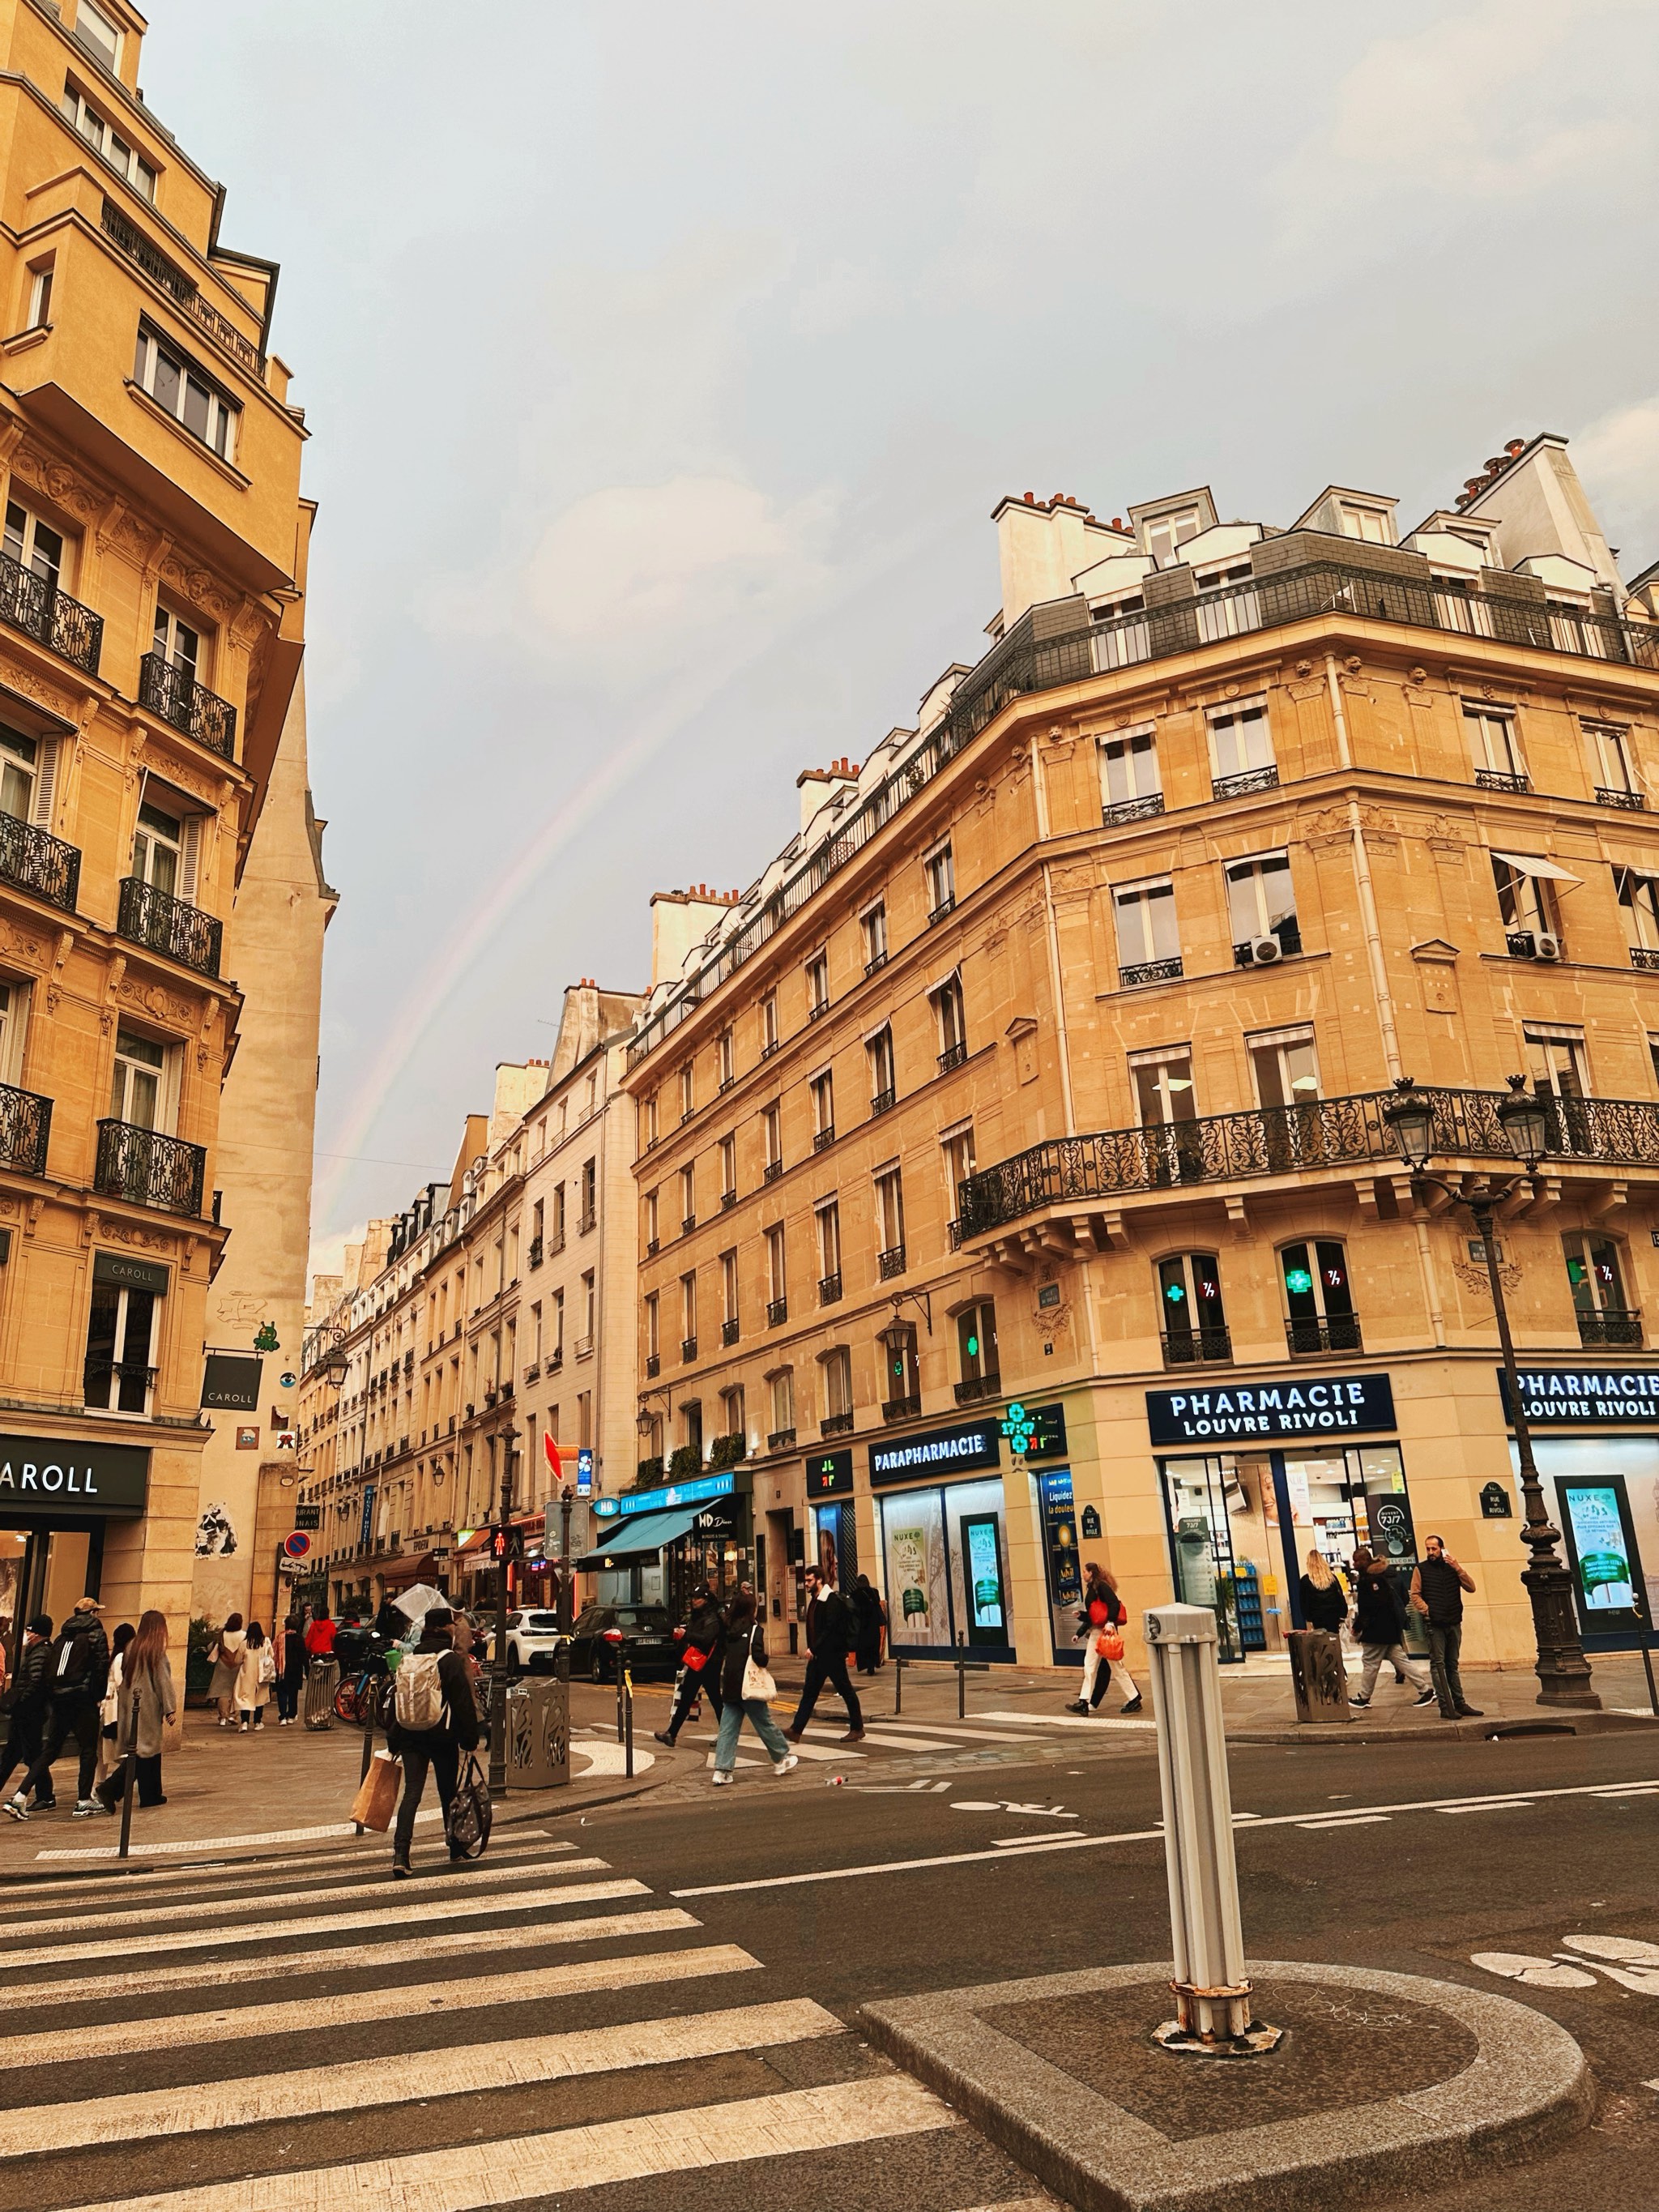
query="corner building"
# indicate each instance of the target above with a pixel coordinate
(1047, 1064)
(152, 586)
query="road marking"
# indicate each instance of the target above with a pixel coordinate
(408, 2000)
(1492, 1805)
(455, 1882)
(967, 1731)
(203, 2107)
(267, 1930)
(1013, 1843)
(807, 1751)
(474, 2176)
(1629, 1789)
(608, 1759)
(1070, 1720)
(180, 1881)
(1346, 1820)
(599, 1929)
(905, 1742)
(224, 1843)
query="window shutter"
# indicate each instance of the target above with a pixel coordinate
(189, 859)
(46, 783)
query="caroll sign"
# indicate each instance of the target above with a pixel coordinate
(49, 1474)
(1338, 1404)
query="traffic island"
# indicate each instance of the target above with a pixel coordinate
(1378, 2077)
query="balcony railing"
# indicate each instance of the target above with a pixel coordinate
(835, 1425)
(165, 923)
(535, 1251)
(25, 1128)
(900, 1409)
(653, 1364)
(35, 605)
(1497, 779)
(1149, 971)
(824, 1139)
(688, 1348)
(777, 1312)
(1611, 1325)
(34, 861)
(172, 693)
(729, 1331)
(937, 914)
(1185, 1348)
(829, 1288)
(181, 287)
(688, 1224)
(876, 960)
(881, 1103)
(1290, 1141)
(976, 1387)
(891, 1262)
(1132, 810)
(728, 1200)
(1340, 1333)
(1635, 801)
(584, 1222)
(1240, 786)
(148, 1167)
(953, 1056)
(126, 1380)
(779, 1439)
(774, 1170)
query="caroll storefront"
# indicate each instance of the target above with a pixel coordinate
(70, 1512)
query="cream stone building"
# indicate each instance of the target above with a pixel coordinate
(152, 801)
(1045, 1066)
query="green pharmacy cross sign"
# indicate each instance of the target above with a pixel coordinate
(1020, 1429)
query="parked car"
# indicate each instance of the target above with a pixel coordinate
(603, 1632)
(533, 1642)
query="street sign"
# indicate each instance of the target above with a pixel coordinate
(550, 1450)
(307, 1516)
(297, 1545)
(584, 1472)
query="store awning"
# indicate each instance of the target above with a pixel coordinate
(1527, 863)
(643, 1538)
(398, 1574)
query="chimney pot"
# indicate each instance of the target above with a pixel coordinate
(1515, 445)
(1117, 522)
(1030, 499)
(1495, 464)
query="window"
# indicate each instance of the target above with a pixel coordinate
(729, 1289)
(687, 1106)
(167, 851)
(585, 1419)
(957, 1158)
(653, 1328)
(120, 1349)
(817, 986)
(1495, 749)
(39, 302)
(769, 1024)
(689, 1315)
(1318, 1301)
(27, 775)
(535, 1338)
(1162, 1081)
(823, 1089)
(558, 1324)
(1224, 609)
(590, 1196)
(1638, 897)
(837, 1367)
(890, 1221)
(976, 1348)
(1260, 904)
(1611, 764)
(1556, 1061)
(1164, 532)
(873, 925)
(557, 1241)
(783, 1407)
(182, 389)
(1597, 1283)
(34, 545)
(688, 1198)
(1241, 750)
(772, 1140)
(590, 1314)
(1130, 786)
(941, 879)
(1526, 901)
(827, 1221)
(952, 1021)
(99, 33)
(728, 1170)
(14, 1024)
(1148, 938)
(138, 1088)
(1285, 1066)
(1192, 1318)
(648, 1122)
(878, 1050)
(108, 142)
(725, 1064)
(1368, 523)
(777, 1281)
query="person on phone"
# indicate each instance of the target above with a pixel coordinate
(704, 1637)
(1379, 1626)
(1437, 1587)
(745, 1641)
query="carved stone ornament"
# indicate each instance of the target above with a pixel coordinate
(9, 1208)
(21, 946)
(1305, 668)
(160, 1005)
(1231, 692)
(1050, 1322)
(131, 1233)
(19, 679)
(58, 481)
(1473, 1276)
(200, 588)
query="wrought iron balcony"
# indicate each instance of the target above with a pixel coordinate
(653, 1246)
(728, 1200)
(953, 1056)
(729, 1331)
(1641, 957)
(900, 1409)
(126, 1380)
(1132, 810)
(772, 1045)
(774, 1170)
(818, 1008)
(881, 1103)
(535, 1251)
(35, 605)
(1185, 1348)
(148, 1167)
(688, 1348)
(1149, 971)
(976, 1388)
(172, 692)
(777, 1312)
(653, 1364)
(25, 1128)
(168, 925)
(1635, 801)
(1340, 1333)
(829, 1288)
(687, 1224)
(122, 231)
(779, 1440)
(34, 861)
(835, 1425)
(938, 913)
(891, 1262)
(824, 1139)
(1290, 1141)
(877, 960)
(1611, 1325)
(1240, 786)
(556, 1243)
(1494, 779)
(584, 1222)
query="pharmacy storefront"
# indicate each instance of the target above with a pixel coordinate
(1596, 1444)
(941, 1526)
(1256, 1476)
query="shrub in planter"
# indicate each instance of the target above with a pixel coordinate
(727, 1451)
(686, 1462)
(650, 1471)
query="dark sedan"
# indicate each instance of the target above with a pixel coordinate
(637, 1634)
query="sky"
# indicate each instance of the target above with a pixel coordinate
(664, 360)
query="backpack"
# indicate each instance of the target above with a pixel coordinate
(418, 1699)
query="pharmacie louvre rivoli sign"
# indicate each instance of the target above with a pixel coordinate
(1586, 1397)
(1334, 1405)
(67, 1475)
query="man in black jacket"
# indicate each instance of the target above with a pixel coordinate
(1437, 1587)
(25, 1700)
(77, 1670)
(705, 1636)
(438, 1747)
(830, 1630)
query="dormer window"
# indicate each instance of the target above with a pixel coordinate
(1164, 532)
(1369, 523)
(100, 34)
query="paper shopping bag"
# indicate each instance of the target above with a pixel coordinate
(377, 1798)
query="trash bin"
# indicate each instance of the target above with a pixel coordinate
(322, 1681)
(1318, 1676)
(538, 1734)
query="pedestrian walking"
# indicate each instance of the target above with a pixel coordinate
(147, 1704)
(1379, 1623)
(118, 1644)
(433, 1720)
(27, 1697)
(1103, 1611)
(746, 1690)
(705, 1644)
(290, 1671)
(1324, 1601)
(1437, 1587)
(319, 1637)
(76, 1670)
(830, 1628)
(254, 1677)
(227, 1666)
(870, 1617)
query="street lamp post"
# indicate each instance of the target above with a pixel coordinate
(498, 1663)
(566, 1610)
(1563, 1672)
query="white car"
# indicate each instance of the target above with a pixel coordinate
(533, 1641)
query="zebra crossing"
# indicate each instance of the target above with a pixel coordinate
(293, 2034)
(985, 1738)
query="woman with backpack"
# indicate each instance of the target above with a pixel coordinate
(746, 1689)
(145, 1705)
(290, 1650)
(255, 1673)
(432, 1722)
(227, 1665)
(871, 1615)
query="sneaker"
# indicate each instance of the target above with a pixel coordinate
(400, 1870)
(854, 1735)
(1080, 1705)
(1133, 1705)
(1358, 1700)
(783, 1765)
(1398, 1678)
(88, 1809)
(1426, 1698)
(16, 1808)
(1470, 1713)
(720, 1778)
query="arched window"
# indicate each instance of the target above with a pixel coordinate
(1193, 1320)
(1318, 1297)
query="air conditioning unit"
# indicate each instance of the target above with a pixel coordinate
(1545, 945)
(1264, 950)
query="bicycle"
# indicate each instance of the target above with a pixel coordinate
(362, 1698)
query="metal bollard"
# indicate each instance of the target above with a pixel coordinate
(128, 1777)
(962, 1676)
(1213, 1993)
(628, 1709)
(898, 1685)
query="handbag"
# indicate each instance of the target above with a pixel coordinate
(1109, 1646)
(758, 1687)
(377, 1795)
(469, 1813)
(696, 1660)
(267, 1664)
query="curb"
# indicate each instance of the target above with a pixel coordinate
(1480, 1731)
(1528, 2087)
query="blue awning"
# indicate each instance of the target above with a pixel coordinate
(642, 1538)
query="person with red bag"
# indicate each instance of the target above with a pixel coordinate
(1101, 1622)
(705, 1639)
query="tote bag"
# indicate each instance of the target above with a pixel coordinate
(757, 1684)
